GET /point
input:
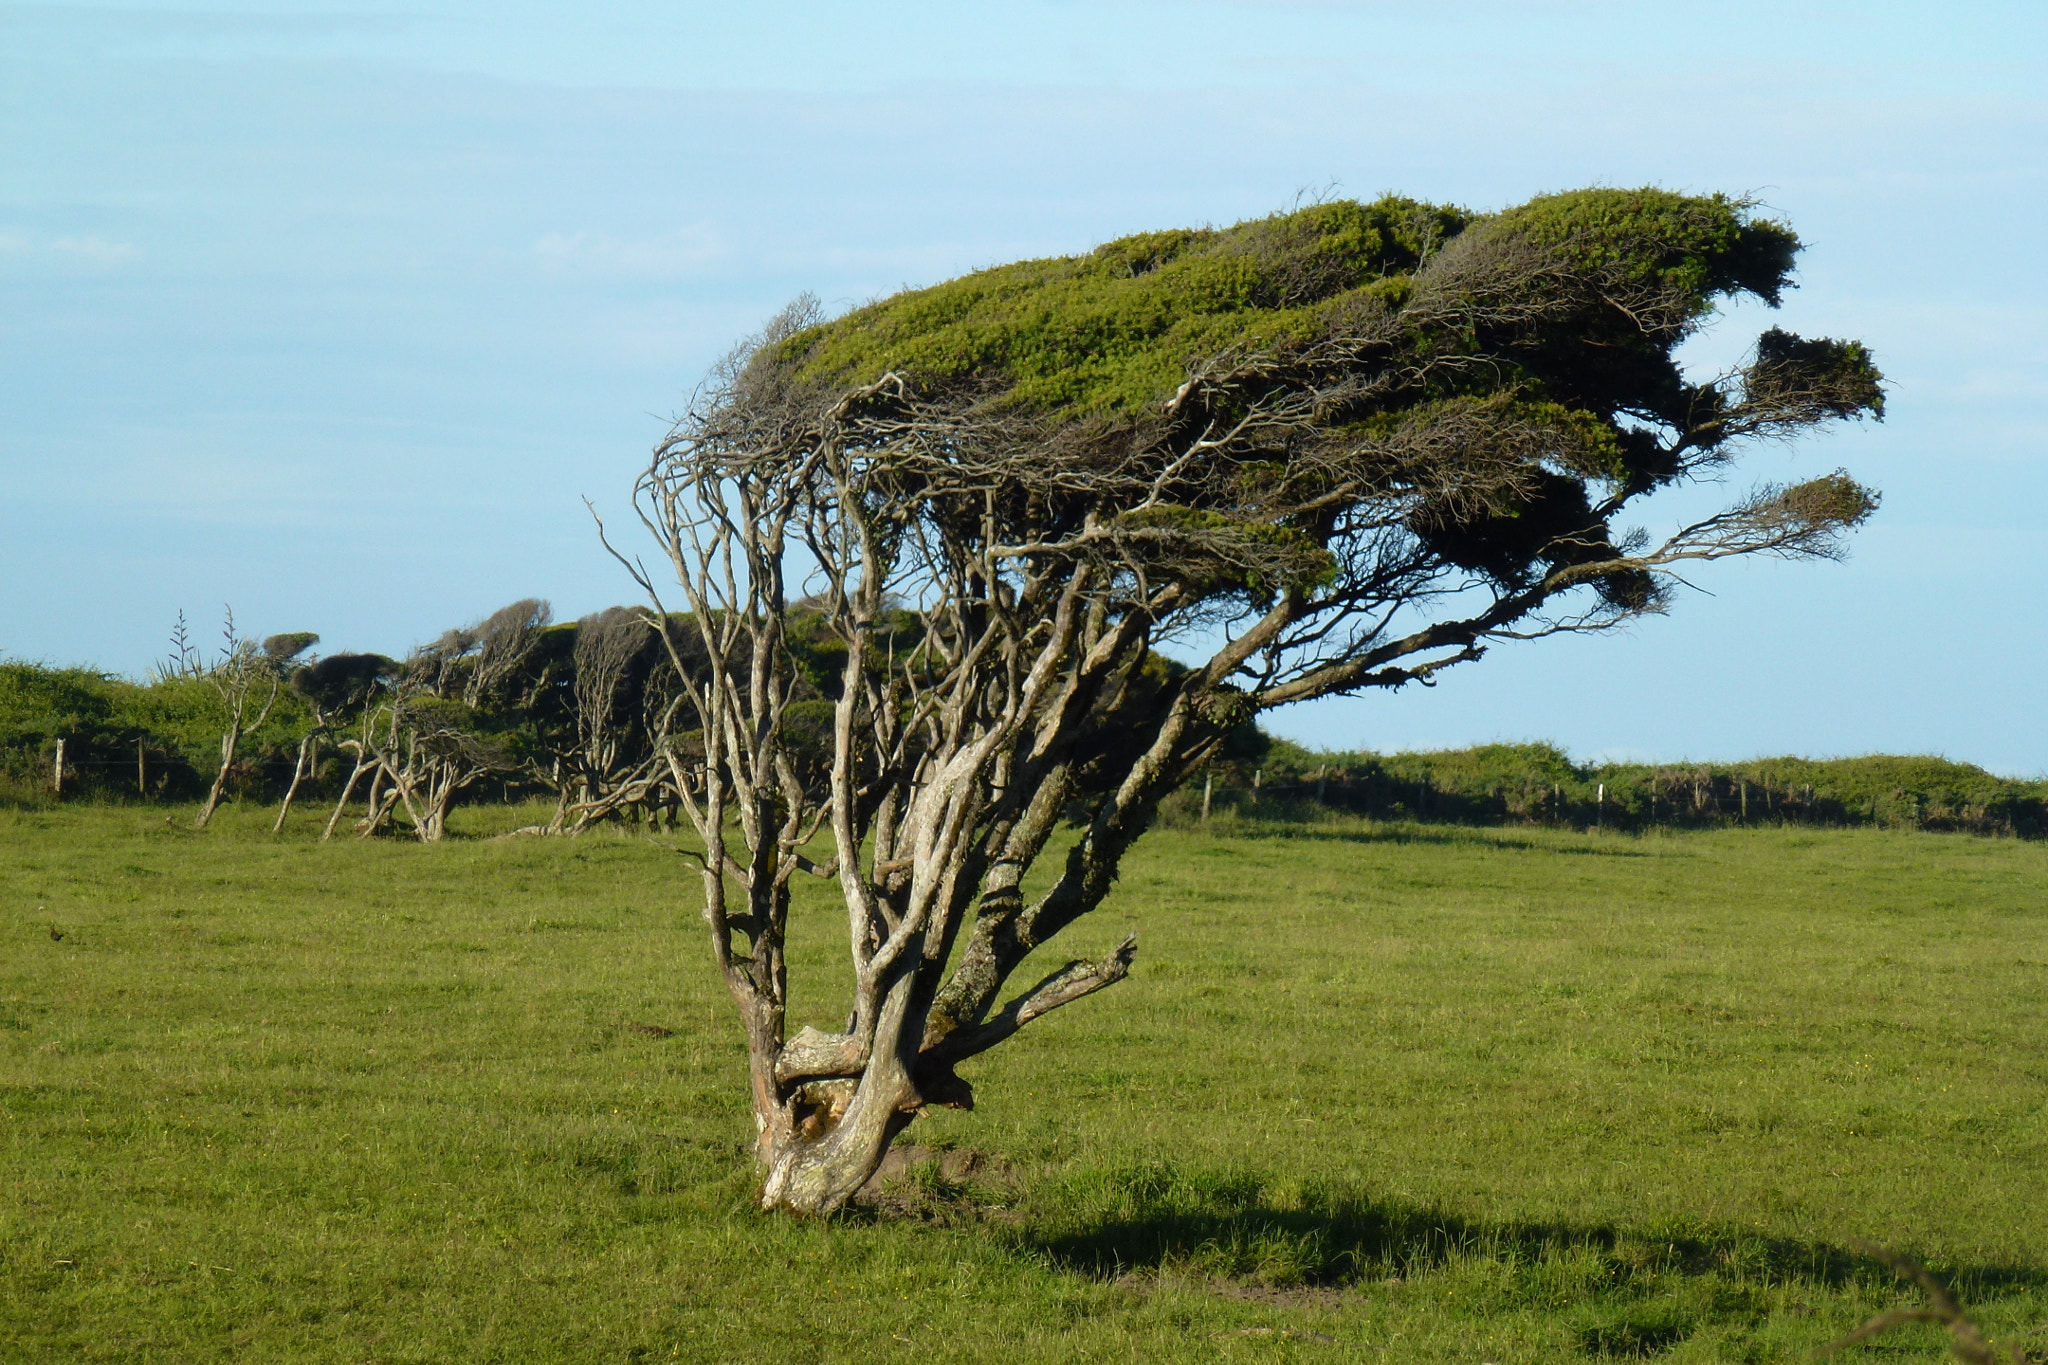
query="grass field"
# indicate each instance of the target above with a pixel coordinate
(1373, 1092)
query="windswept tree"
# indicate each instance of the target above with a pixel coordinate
(245, 679)
(612, 726)
(339, 689)
(1337, 449)
(441, 724)
(332, 688)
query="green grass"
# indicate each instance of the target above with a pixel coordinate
(1426, 1093)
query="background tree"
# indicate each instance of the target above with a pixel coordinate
(338, 690)
(607, 734)
(611, 713)
(329, 689)
(449, 717)
(245, 678)
(1336, 449)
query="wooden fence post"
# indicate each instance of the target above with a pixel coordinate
(1257, 773)
(141, 771)
(1600, 806)
(60, 768)
(1208, 787)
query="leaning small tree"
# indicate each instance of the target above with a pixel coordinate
(245, 679)
(1342, 448)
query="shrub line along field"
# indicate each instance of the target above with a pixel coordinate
(1374, 1091)
(127, 740)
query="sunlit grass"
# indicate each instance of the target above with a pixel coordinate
(1428, 1093)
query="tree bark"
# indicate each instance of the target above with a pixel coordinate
(300, 768)
(348, 789)
(374, 818)
(228, 744)
(819, 1148)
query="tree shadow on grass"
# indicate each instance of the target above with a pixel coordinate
(1160, 1219)
(1436, 835)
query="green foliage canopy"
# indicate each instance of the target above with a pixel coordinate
(1540, 342)
(1114, 331)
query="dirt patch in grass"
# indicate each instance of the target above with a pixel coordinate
(933, 1184)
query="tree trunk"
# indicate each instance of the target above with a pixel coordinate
(347, 791)
(378, 814)
(815, 1177)
(435, 823)
(228, 744)
(817, 1153)
(299, 770)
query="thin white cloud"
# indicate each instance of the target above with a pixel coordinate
(93, 251)
(686, 251)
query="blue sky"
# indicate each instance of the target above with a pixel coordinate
(336, 312)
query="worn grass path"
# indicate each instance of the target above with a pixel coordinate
(1371, 1093)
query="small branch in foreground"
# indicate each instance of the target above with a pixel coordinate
(1967, 1341)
